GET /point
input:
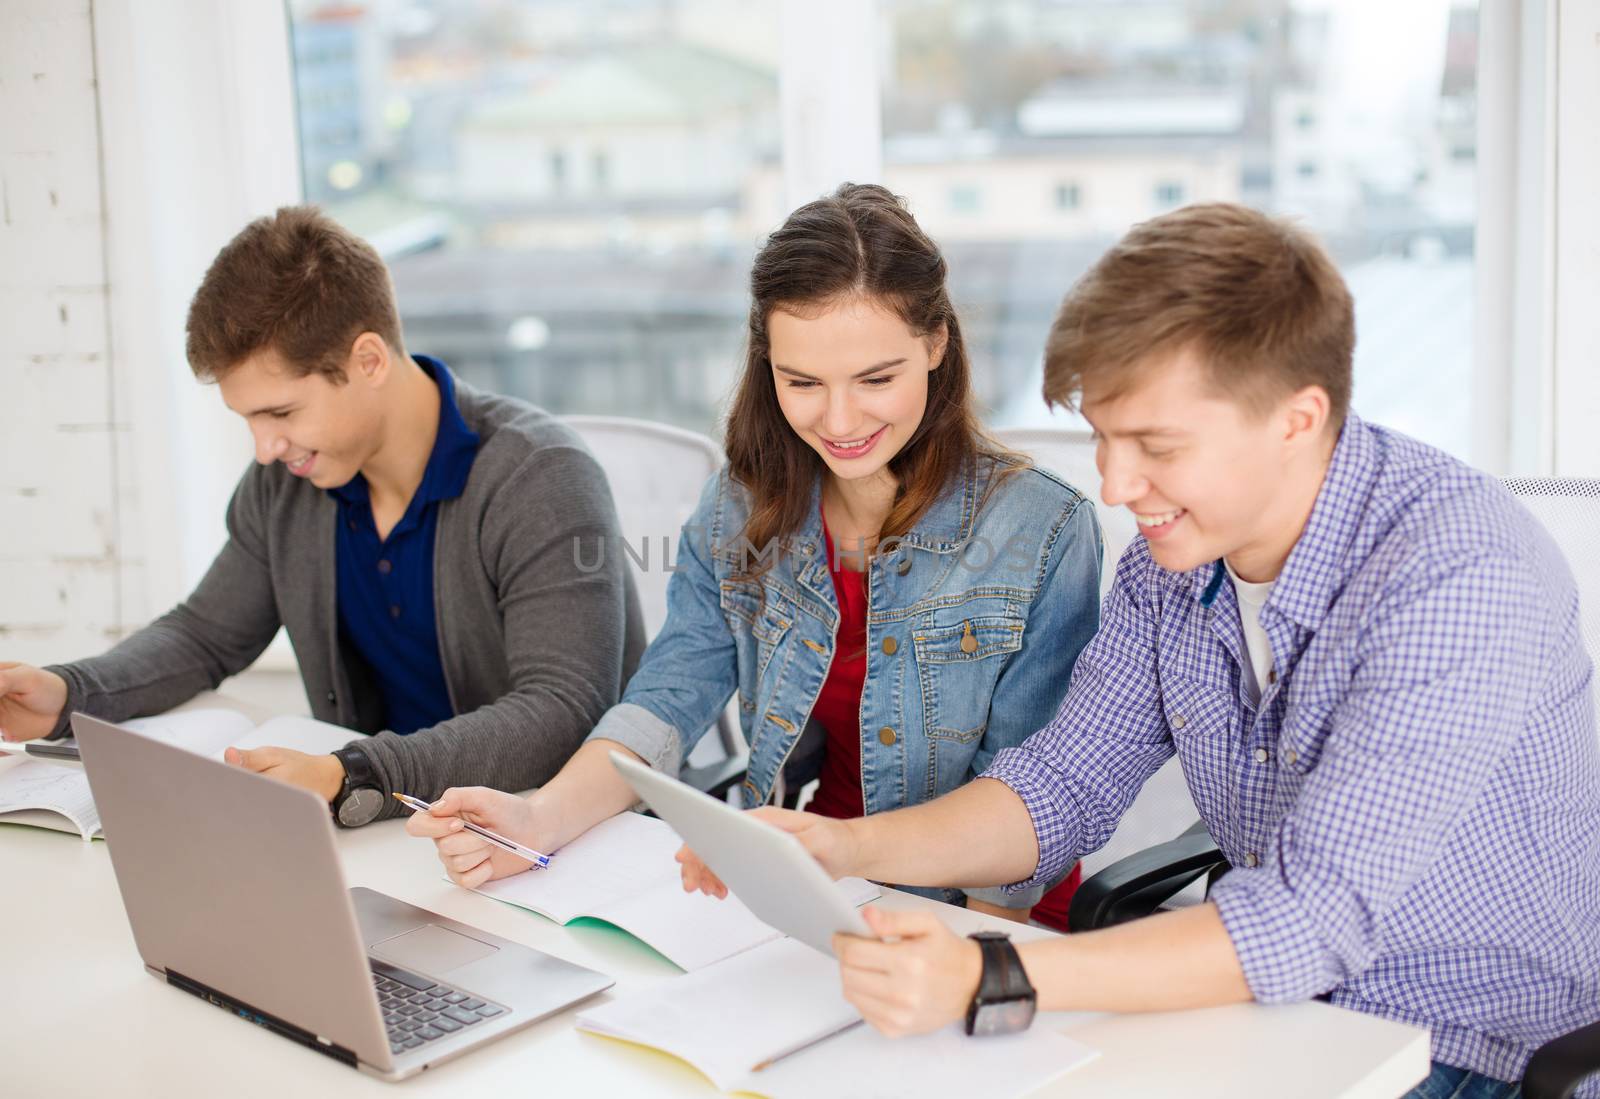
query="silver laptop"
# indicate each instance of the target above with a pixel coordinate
(235, 894)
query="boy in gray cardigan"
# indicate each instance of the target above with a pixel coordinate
(415, 537)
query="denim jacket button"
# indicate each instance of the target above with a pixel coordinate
(889, 646)
(904, 566)
(886, 735)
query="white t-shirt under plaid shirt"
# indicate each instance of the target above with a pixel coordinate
(1412, 809)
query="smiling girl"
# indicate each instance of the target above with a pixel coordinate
(892, 597)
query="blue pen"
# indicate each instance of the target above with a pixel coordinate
(538, 860)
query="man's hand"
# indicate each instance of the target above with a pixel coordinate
(31, 701)
(829, 841)
(322, 775)
(921, 979)
(468, 858)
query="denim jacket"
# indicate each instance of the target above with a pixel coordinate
(974, 621)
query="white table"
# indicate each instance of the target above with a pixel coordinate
(82, 1017)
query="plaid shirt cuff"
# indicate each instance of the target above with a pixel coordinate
(1278, 946)
(1054, 816)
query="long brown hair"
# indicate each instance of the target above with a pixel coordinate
(859, 241)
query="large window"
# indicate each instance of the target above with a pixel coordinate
(1078, 118)
(569, 191)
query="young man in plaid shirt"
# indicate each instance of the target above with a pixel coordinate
(1365, 654)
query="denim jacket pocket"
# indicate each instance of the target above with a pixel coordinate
(759, 625)
(958, 665)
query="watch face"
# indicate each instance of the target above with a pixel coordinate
(1003, 1016)
(360, 807)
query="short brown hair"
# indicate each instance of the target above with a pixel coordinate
(298, 283)
(1260, 301)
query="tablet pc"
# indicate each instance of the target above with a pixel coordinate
(765, 867)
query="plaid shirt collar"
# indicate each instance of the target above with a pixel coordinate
(1321, 561)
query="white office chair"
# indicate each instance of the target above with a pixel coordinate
(1163, 805)
(656, 473)
(1069, 454)
(1569, 508)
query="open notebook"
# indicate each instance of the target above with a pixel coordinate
(46, 794)
(772, 1021)
(622, 871)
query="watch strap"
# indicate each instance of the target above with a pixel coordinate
(1002, 981)
(358, 770)
(992, 985)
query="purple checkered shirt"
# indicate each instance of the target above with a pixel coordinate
(1412, 814)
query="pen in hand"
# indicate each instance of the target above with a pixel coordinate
(540, 861)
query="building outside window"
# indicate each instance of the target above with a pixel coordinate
(1151, 104)
(965, 199)
(1168, 196)
(569, 192)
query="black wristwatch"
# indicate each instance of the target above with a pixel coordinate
(359, 800)
(1005, 1000)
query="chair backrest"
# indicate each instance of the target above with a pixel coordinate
(1069, 454)
(1569, 508)
(656, 474)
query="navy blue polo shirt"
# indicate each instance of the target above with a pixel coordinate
(385, 593)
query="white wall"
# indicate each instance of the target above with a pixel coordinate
(136, 137)
(63, 561)
(198, 137)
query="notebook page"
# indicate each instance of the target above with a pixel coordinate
(34, 784)
(727, 1018)
(203, 732)
(622, 871)
(694, 930)
(37, 785)
(691, 929)
(303, 734)
(861, 1063)
(616, 858)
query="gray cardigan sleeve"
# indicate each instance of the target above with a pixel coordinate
(564, 627)
(217, 632)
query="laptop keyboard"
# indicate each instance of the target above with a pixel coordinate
(417, 1011)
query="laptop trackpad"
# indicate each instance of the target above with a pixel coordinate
(431, 949)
